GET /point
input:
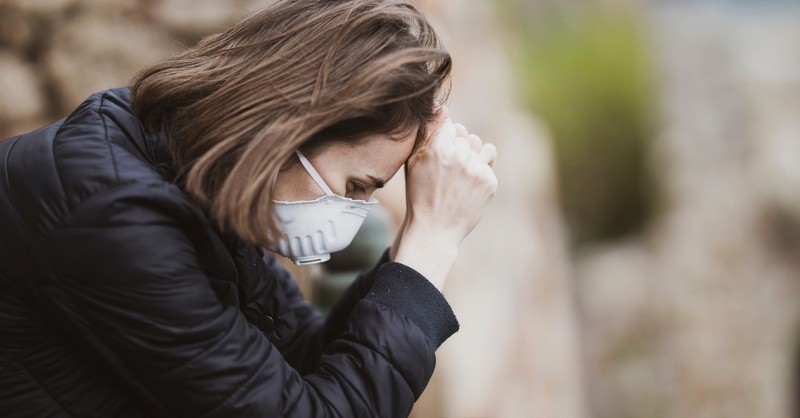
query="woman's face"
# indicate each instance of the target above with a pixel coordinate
(350, 170)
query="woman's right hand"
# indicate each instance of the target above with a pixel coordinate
(448, 183)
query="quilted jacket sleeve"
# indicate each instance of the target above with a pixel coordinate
(315, 332)
(129, 284)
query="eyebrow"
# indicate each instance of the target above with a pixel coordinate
(377, 182)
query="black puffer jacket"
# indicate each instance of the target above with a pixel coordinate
(118, 297)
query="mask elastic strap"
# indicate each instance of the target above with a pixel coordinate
(314, 174)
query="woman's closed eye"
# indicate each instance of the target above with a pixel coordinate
(357, 191)
(362, 188)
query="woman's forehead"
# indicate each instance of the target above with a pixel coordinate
(378, 156)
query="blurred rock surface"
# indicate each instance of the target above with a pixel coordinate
(21, 97)
(701, 312)
(91, 53)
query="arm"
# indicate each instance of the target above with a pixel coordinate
(130, 287)
(448, 182)
(315, 332)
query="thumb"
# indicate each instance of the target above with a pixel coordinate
(446, 134)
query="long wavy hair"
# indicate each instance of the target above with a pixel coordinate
(296, 75)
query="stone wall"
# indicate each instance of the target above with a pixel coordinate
(54, 53)
(699, 316)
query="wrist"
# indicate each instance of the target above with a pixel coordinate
(429, 253)
(397, 239)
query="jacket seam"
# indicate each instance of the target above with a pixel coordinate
(97, 107)
(183, 365)
(55, 164)
(67, 218)
(39, 383)
(234, 391)
(5, 165)
(329, 408)
(105, 135)
(13, 195)
(382, 355)
(14, 356)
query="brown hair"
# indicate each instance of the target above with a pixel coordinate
(300, 73)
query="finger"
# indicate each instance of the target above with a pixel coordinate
(474, 142)
(457, 151)
(461, 130)
(492, 179)
(461, 144)
(488, 154)
(445, 134)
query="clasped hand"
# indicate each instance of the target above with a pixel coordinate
(449, 181)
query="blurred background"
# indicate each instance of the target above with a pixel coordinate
(642, 255)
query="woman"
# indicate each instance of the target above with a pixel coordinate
(131, 232)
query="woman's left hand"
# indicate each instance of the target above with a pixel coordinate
(476, 144)
(448, 184)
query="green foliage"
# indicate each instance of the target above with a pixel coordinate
(586, 75)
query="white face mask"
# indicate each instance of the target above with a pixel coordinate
(315, 228)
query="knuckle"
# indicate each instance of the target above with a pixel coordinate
(488, 177)
(474, 169)
(493, 184)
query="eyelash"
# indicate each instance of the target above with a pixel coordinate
(357, 188)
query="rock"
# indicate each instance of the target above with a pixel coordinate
(16, 29)
(92, 53)
(619, 323)
(722, 302)
(42, 7)
(196, 18)
(768, 78)
(22, 97)
(122, 8)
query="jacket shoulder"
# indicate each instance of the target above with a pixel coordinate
(100, 145)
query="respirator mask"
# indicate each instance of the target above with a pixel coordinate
(312, 229)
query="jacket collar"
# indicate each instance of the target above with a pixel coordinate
(159, 155)
(154, 147)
